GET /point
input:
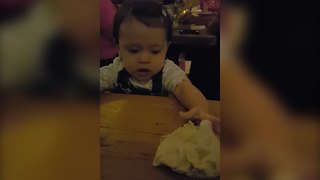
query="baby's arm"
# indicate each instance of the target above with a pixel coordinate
(108, 77)
(196, 103)
(189, 95)
(179, 85)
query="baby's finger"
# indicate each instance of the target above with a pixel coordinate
(188, 114)
(212, 118)
(185, 115)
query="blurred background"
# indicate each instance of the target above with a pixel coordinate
(49, 49)
(269, 84)
(49, 88)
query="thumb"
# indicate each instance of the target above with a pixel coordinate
(187, 115)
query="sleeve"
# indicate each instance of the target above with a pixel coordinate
(172, 75)
(109, 75)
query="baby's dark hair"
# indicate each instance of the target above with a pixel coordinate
(147, 12)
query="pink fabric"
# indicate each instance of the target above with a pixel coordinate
(107, 47)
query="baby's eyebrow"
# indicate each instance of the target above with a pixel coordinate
(132, 45)
(156, 46)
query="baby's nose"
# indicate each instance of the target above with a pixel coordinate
(144, 58)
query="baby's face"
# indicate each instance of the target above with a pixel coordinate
(142, 49)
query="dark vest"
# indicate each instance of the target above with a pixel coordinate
(124, 86)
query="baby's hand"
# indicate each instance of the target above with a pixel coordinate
(198, 112)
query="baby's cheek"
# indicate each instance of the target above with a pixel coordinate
(159, 64)
(128, 68)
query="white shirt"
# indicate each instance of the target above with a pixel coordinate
(172, 75)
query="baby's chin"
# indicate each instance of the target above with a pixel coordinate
(142, 76)
(141, 80)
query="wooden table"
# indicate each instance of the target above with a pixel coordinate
(131, 127)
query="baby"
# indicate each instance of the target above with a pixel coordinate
(142, 31)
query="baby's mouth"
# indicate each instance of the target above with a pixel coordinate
(143, 72)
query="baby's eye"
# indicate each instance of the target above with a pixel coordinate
(155, 52)
(133, 51)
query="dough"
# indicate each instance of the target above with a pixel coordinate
(191, 150)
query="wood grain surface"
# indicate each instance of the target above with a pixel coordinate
(130, 130)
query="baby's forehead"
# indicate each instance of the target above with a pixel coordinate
(150, 22)
(134, 30)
